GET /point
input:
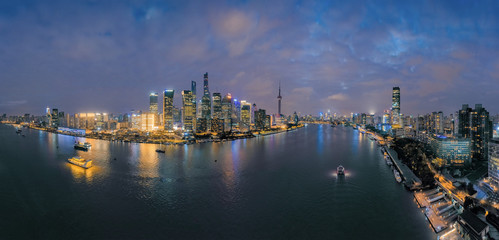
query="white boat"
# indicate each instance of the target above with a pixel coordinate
(81, 162)
(87, 144)
(81, 146)
(397, 176)
(340, 170)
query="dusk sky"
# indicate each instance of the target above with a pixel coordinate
(346, 56)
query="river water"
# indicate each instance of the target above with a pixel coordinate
(281, 186)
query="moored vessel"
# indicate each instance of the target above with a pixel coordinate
(397, 176)
(81, 162)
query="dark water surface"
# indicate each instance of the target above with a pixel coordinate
(275, 187)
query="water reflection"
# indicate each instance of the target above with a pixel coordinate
(82, 175)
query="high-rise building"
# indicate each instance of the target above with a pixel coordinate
(476, 125)
(260, 119)
(194, 105)
(494, 161)
(396, 106)
(217, 105)
(279, 98)
(206, 89)
(187, 112)
(227, 112)
(153, 102)
(168, 110)
(55, 118)
(245, 116)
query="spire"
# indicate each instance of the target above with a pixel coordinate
(279, 98)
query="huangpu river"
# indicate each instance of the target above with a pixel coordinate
(280, 186)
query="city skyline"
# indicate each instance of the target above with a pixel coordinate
(85, 56)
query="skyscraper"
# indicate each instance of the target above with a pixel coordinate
(206, 100)
(194, 104)
(206, 89)
(245, 116)
(168, 109)
(153, 103)
(476, 125)
(187, 111)
(217, 105)
(227, 111)
(396, 106)
(279, 98)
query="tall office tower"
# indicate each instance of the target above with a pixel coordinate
(481, 132)
(236, 111)
(153, 102)
(194, 105)
(227, 112)
(260, 118)
(49, 117)
(217, 105)
(205, 85)
(187, 112)
(279, 98)
(253, 111)
(464, 122)
(476, 125)
(438, 121)
(396, 106)
(168, 110)
(55, 118)
(206, 100)
(245, 116)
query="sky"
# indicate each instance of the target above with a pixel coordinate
(342, 56)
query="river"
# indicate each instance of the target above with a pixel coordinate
(280, 186)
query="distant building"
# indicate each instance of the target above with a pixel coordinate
(260, 119)
(194, 105)
(217, 125)
(148, 122)
(153, 103)
(245, 124)
(217, 105)
(227, 112)
(494, 160)
(55, 118)
(168, 110)
(187, 112)
(202, 125)
(396, 106)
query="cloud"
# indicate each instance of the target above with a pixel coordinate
(338, 97)
(13, 103)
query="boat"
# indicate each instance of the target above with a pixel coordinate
(87, 144)
(18, 131)
(81, 146)
(81, 162)
(397, 176)
(160, 151)
(340, 170)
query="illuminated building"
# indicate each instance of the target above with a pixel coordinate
(136, 121)
(396, 106)
(148, 122)
(187, 112)
(455, 152)
(475, 124)
(48, 116)
(260, 119)
(194, 104)
(206, 107)
(55, 118)
(217, 125)
(245, 116)
(205, 85)
(168, 110)
(227, 112)
(217, 105)
(153, 102)
(202, 125)
(279, 98)
(494, 160)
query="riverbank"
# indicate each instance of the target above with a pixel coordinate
(162, 137)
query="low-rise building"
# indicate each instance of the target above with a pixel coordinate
(455, 152)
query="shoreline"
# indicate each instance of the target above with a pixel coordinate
(171, 141)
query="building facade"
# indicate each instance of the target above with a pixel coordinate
(168, 110)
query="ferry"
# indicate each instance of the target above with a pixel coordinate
(397, 176)
(340, 170)
(81, 146)
(81, 162)
(87, 144)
